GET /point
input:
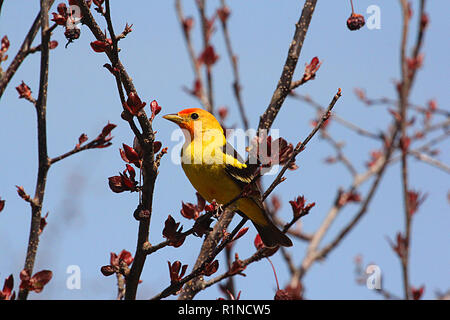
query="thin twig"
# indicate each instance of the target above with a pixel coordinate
(120, 286)
(208, 246)
(403, 100)
(94, 144)
(394, 102)
(43, 161)
(301, 146)
(146, 139)
(23, 52)
(235, 69)
(405, 85)
(340, 155)
(284, 84)
(336, 117)
(174, 287)
(314, 254)
(192, 55)
(201, 6)
(430, 160)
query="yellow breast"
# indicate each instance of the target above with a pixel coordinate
(205, 169)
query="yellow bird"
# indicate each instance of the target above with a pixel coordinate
(218, 173)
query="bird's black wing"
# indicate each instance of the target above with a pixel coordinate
(244, 175)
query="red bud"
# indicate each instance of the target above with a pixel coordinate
(211, 268)
(59, 19)
(223, 13)
(107, 270)
(155, 107)
(126, 257)
(208, 56)
(24, 91)
(100, 46)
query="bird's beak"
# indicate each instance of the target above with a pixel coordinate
(174, 118)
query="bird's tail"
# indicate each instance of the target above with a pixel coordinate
(271, 236)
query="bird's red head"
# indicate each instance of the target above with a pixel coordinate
(193, 119)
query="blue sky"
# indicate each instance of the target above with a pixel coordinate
(87, 221)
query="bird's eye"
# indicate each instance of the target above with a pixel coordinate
(194, 116)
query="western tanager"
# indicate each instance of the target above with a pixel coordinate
(218, 173)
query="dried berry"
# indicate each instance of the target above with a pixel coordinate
(355, 22)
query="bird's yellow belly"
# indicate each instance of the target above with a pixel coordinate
(212, 182)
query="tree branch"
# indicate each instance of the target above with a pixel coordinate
(43, 165)
(193, 57)
(405, 85)
(149, 169)
(301, 146)
(335, 116)
(174, 287)
(284, 84)
(23, 51)
(235, 69)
